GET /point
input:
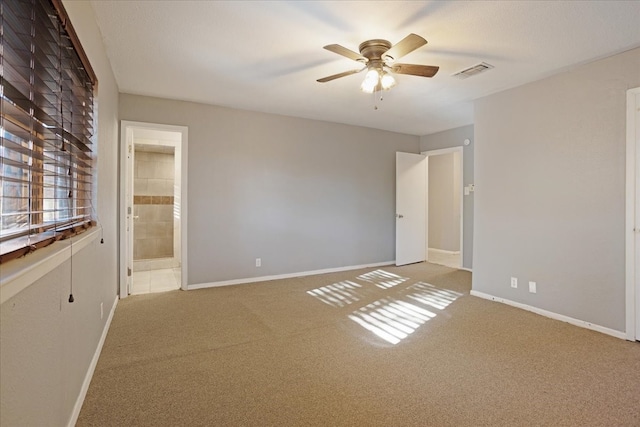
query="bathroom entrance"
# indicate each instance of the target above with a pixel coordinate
(153, 218)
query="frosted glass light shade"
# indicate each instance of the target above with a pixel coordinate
(387, 81)
(370, 81)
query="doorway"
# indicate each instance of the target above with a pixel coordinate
(413, 209)
(632, 229)
(444, 219)
(153, 201)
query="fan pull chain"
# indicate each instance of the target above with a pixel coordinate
(376, 93)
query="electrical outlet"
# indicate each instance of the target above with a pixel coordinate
(258, 262)
(514, 282)
(532, 287)
(101, 310)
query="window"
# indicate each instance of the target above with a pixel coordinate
(46, 128)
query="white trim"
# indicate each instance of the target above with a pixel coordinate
(125, 125)
(457, 149)
(552, 315)
(427, 206)
(20, 273)
(466, 269)
(630, 273)
(444, 252)
(92, 367)
(285, 276)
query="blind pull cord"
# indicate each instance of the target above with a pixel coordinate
(71, 299)
(95, 213)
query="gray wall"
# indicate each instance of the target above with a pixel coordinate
(455, 138)
(47, 343)
(300, 194)
(550, 191)
(444, 202)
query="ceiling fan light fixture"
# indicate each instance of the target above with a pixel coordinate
(379, 57)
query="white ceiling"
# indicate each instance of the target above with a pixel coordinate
(267, 55)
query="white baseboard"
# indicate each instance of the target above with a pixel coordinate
(552, 315)
(92, 367)
(465, 269)
(442, 251)
(285, 276)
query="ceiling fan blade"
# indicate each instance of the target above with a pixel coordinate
(403, 47)
(415, 70)
(341, 50)
(337, 76)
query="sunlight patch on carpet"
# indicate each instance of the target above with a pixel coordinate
(400, 311)
(392, 320)
(430, 295)
(383, 279)
(338, 294)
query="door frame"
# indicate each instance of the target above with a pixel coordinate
(436, 153)
(632, 224)
(125, 219)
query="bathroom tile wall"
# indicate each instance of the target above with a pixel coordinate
(153, 205)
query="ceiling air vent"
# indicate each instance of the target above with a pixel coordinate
(472, 71)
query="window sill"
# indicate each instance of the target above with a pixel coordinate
(18, 274)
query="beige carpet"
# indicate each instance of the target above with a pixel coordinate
(393, 346)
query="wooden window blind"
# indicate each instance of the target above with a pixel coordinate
(46, 128)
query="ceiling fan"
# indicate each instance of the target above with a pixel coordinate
(378, 57)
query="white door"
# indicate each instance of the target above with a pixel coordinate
(411, 199)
